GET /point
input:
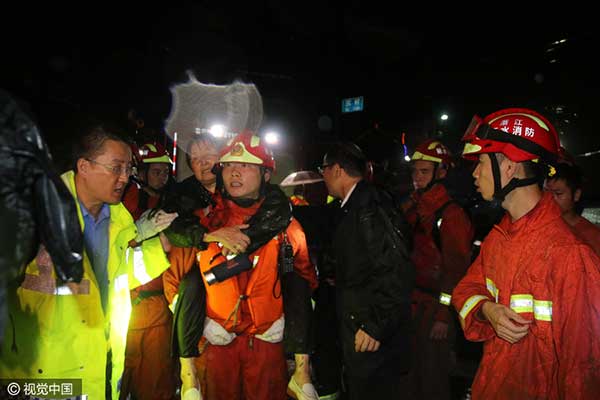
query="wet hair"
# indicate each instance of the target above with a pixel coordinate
(91, 143)
(572, 175)
(201, 138)
(530, 169)
(535, 170)
(349, 157)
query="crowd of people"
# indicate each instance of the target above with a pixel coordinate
(222, 287)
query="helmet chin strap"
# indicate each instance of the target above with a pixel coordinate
(500, 192)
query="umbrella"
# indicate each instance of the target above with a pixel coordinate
(301, 178)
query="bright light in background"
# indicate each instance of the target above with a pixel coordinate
(217, 130)
(407, 158)
(444, 117)
(272, 137)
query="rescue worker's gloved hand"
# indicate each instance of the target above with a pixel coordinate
(152, 223)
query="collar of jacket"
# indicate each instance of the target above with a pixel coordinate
(545, 212)
(357, 198)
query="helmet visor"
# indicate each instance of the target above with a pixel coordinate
(471, 132)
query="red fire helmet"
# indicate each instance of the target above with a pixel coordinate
(154, 153)
(518, 133)
(432, 150)
(248, 148)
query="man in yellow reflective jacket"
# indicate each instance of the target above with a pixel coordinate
(78, 330)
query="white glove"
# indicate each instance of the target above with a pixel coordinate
(148, 227)
(216, 334)
(275, 332)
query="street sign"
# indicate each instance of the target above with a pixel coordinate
(353, 104)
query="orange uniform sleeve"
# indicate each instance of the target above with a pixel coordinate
(182, 260)
(467, 298)
(456, 234)
(576, 324)
(302, 263)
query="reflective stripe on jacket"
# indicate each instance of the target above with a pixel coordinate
(60, 331)
(539, 269)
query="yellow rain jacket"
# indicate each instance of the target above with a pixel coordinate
(59, 331)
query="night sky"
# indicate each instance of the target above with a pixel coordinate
(88, 62)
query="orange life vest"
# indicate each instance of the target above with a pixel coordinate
(223, 300)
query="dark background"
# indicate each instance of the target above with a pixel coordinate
(93, 60)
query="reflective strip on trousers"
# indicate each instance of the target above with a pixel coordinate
(491, 287)
(470, 304)
(445, 298)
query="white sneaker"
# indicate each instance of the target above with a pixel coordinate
(306, 392)
(192, 394)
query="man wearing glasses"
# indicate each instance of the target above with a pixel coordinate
(373, 277)
(78, 330)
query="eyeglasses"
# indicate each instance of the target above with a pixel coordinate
(321, 168)
(117, 170)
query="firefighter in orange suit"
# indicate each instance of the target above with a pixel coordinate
(244, 323)
(533, 293)
(442, 237)
(154, 167)
(566, 188)
(150, 371)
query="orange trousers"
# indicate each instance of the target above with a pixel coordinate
(150, 372)
(247, 368)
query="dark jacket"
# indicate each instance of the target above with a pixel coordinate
(374, 278)
(189, 195)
